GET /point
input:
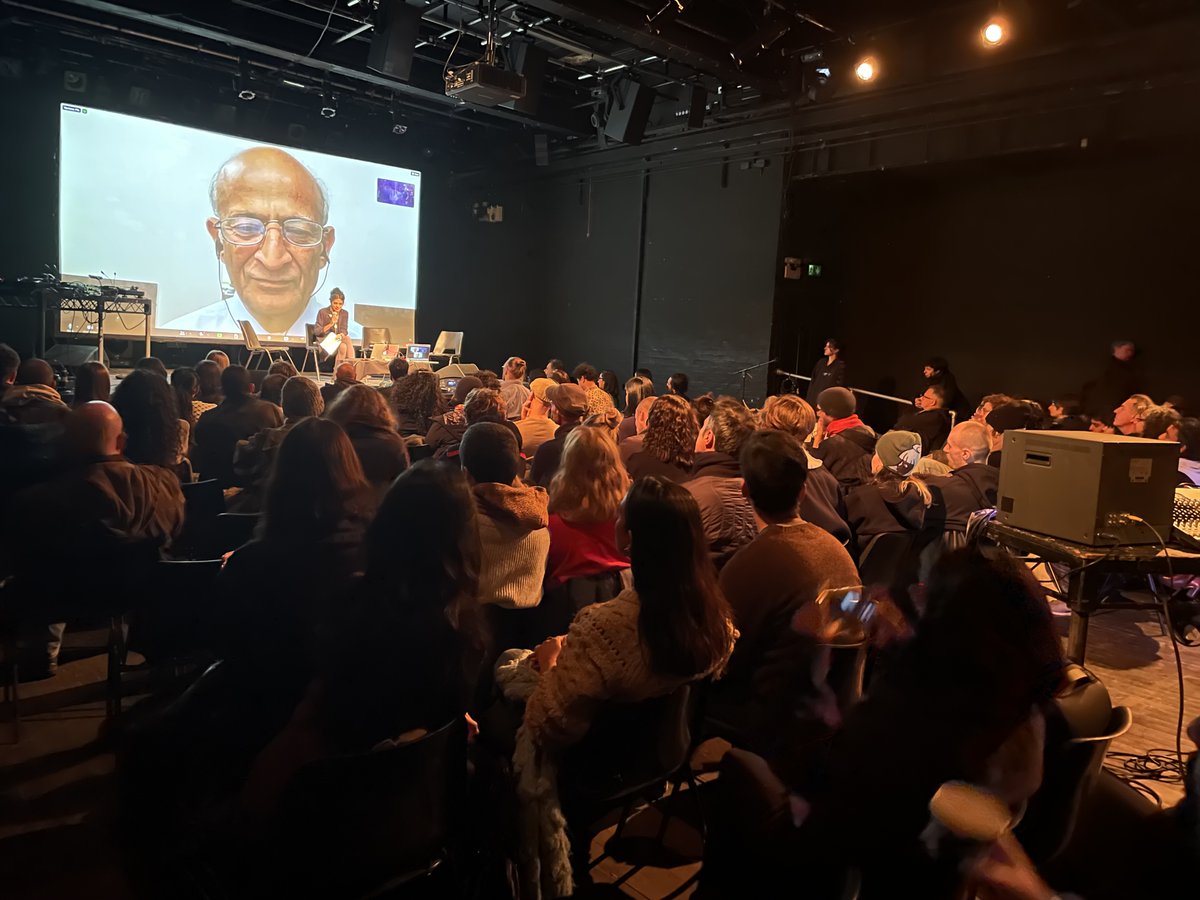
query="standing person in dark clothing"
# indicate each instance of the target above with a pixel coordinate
(1121, 378)
(829, 371)
(841, 440)
(937, 371)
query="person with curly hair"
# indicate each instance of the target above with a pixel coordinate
(371, 427)
(416, 400)
(155, 434)
(669, 447)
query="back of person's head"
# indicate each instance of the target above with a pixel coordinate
(703, 405)
(837, 402)
(641, 416)
(607, 420)
(10, 361)
(236, 383)
(514, 369)
(591, 479)
(417, 394)
(465, 385)
(316, 483)
(488, 379)
(730, 423)
(684, 619)
(644, 373)
(1070, 404)
(968, 443)
(423, 547)
(92, 382)
(489, 453)
(283, 367)
(637, 389)
(1157, 419)
(556, 365)
(678, 383)
(208, 374)
(346, 372)
(671, 431)
(897, 454)
(150, 411)
(220, 357)
(186, 385)
(398, 368)
(301, 398)
(94, 429)
(272, 387)
(1010, 417)
(1189, 438)
(790, 413)
(361, 405)
(480, 403)
(152, 364)
(610, 384)
(585, 372)
(774, 471)
(35, 371)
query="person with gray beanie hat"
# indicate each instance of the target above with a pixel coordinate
(893, 501)
(841, 440)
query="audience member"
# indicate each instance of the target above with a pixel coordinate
(841, 440)
(220, 357)
(637, 389)
(585, 498)
(610, 384)
(677, 384)
(988, 403)
(556, 366)
(535, 425)
(239, 416)
(208, 372)
(91, 383)
(767, 582)
(155, 434)
(970, 486)
(369, 423)
(33, 398)
(397, 369)
(483, 404)
(823, 502)
(253, 458)
(937, 371)
(671, 628)
(399, 658)
(641, 421)
(284, 367)
(448, 428)
(829, 371)
(716, 482)
(1120, 378)
(151, 364)
(10, 361)
(488, 379)
(645, 374)
(1188, 435)
(1066, 414)
(930, 419)
(1157, 421)
(416, 401)
(1001, 419)
(343, 376)
(669, 445)
(597, 400)
(703, 406)
(186, 386)
(568, 405)
(272, 387)
(513, 388)
(609, 419)
(894, 501)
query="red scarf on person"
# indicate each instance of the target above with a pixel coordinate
(839, 425)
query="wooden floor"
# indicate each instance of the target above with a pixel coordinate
(57, 796)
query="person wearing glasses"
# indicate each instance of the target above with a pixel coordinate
(271, 236)
(334, 318)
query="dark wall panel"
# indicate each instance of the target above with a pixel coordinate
(710, 273)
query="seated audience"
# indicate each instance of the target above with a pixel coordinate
(841, 440)
(988, 403)
(253, 458)
(612, 386)
(636, 390)
(893, 501)
(91, 383)
(970, 486)
(151, 364)
(220, 357)
(556, 367)
(186, 385)
(641, 421)
(397, 369)
(33, 398)
(1066, 414)
(645, 375)
(703, 405)
(1013, 417)
(416, 401)
(488, 379)
(585, 497)
(343, 376)
(535, 425)
(716, 482)
(597, 399)
(10, 361)
(371, 427)
(1157, 422)
(937, 371)
(284, 367)
(767, 582)
(677, 384)
(1188, 435)
(448, 428)
(272, 388)
(568, 405)
(609, 420)
(823, 502)
(239, 416)
(208, 373)
(669, 446)
(930, 419)
(418, 594)
(1129, 417)
(483, 404)
(513, 388)
(670, 629)
(155, 434)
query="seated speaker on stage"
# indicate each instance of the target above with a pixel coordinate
(334, 320)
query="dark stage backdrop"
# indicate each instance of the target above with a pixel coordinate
(1020, 272)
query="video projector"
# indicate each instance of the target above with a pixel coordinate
(485, 85)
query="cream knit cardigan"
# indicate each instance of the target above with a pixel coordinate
(603, 660)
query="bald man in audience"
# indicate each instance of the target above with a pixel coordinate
(343, 376)
(971, 486)
(220, 357)
(641, 418)
(33, 399)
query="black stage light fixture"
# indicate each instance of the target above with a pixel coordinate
(328, 106)
(245, 85)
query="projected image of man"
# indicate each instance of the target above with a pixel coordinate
(270, 233)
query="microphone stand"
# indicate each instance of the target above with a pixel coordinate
(745, 373)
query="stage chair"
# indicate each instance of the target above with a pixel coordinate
(312, 352)
(448, 348)
(373, 335)
(255, 347)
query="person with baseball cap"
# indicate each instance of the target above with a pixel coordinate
(568, 405)
(535, 425)
(893, 501)
(841, 440)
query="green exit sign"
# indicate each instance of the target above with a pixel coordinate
(814, 271)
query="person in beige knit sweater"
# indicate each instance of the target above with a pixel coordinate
(671, 628)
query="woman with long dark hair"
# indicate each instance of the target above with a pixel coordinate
(611, 385)
(637, 389)
(91, 383)
(371, 425)
(208, 372)
(186, 386)
(669, 443)
(155, 435)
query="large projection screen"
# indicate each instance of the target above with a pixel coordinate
(217, 229)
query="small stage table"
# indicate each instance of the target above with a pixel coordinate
(1088, 566)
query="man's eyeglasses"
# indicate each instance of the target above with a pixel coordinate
(247, 231)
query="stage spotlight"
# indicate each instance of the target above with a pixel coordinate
(866, 69)
(329, 106)
(995, 31)
(246, 94)
(399, 128)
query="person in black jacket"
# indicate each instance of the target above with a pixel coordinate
(449, 427)
(929, 419)
(371, 427)
(841, 440)
(239, 416)
(971, 486)
(829, 371)
(893, 502)
(937, 371)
